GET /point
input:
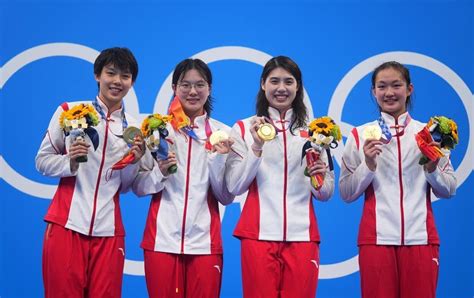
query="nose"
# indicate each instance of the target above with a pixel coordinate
(389, 91)
(116, 79)
(193, 89)
(281, 87)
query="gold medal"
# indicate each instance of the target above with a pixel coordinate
(372, 132)
(217, 137)
(130, 133)
(266, 132)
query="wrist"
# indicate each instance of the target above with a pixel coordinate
(371, 166)
(430, 168)
(73, 165)
(255, 147)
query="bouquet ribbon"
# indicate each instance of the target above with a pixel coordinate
(121, 164)
(423, 139)
(312, 155)
(125, 161)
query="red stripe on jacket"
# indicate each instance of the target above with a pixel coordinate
(215, 228)
(149, 235)
(313, 223)
(249, 222)
(433, 237)
(242, 129)
(356, 137)
(367, 228)
(58, 211)
(119, 229)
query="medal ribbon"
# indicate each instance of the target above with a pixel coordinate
(386, 130)
(270, 121)
(99, 109)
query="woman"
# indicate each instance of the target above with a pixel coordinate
(277, 228)
(182, 240)
(398, 242)
(84, 245)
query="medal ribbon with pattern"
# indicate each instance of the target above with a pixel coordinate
(99, 109)
(386, 130)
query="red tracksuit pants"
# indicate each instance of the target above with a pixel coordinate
(76, 265)
(398, 271)
(279, 269)
(176, 275)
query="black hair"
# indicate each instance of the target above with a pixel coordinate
(300, 114)
(401, 69)
(201, 67)
(122, 58)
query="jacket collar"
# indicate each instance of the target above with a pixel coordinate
(280, 121)
(105, 109)
(402, 120)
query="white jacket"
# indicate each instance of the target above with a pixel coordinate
(184, 211)
(397, 207)
(85, 201)
(278, 206)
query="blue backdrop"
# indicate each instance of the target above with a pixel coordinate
(47, 51)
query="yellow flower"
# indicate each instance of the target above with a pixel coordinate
(145, 127)
(77, 112)
(61, 119)
(429, 123)
(454, 131)
(323, 125)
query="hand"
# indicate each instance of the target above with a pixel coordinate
(164, 164)
(257, 141)
(372, 148)
(223, 147)
(138, 149)
(430, 166)
(78, 148)
(319, 167)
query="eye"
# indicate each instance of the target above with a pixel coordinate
(201, 85)
(274, 81)
(289, 82)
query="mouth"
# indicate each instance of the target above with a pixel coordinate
(115, 90)
(390, 100)
(192, 100)
(281, 97)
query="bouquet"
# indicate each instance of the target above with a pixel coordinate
(78, 122)
(155, 133)
(439, 129)
(323, 135)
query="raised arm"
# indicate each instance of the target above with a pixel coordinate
(355, 175)
(241, 167)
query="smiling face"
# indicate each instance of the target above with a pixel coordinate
(391, 91)
(114, 84)
(193, 92)
(280, 89)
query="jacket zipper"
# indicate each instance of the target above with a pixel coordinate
(285, 181)
(186, 195)
(96, 193)
(401, 184)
